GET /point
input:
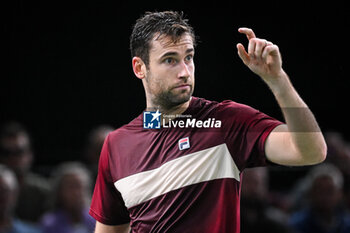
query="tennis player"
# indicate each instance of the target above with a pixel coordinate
(186, 177)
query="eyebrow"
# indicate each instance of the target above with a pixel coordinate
(169, 54)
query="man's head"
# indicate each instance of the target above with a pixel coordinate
(94, 144)
(162, 49)
(71, 186)
(325, 188)
(167, 23)
(15, 148)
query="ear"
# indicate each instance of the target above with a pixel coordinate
(139, 67)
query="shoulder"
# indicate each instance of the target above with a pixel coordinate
(232, 111)
(197, 102)
(226, 106)
(226, 111)
(231, 107)
(130, 128)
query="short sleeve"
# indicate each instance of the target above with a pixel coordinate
(107, 205)
(245, 131)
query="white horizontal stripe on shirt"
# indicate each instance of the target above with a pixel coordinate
(201, 166)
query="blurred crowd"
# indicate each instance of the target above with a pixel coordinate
(316, 202)
(35, 203)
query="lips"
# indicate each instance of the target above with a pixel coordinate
(182, 86)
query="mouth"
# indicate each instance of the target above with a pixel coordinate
(182, 87)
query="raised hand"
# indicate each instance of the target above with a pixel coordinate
(263, 57)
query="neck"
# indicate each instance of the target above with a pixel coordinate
(178, 109)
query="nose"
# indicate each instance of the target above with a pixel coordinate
(185, 71)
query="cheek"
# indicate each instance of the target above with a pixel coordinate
(159, 82)
(192, 68)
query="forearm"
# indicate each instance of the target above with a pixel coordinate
(301, 142)
(305, 134)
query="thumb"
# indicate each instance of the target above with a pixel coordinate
(243, 54)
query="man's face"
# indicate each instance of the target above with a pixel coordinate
(18, 153)
(325, 196)
(169, 78)
(73, 191)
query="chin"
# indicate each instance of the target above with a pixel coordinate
(183, 97)
(171, 99)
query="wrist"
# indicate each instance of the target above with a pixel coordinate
(284, 92)
(279, 84)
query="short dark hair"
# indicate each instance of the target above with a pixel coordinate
(168, 23)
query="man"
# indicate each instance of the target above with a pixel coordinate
(16, 153)
(93, 146)
(9, 223)
(71, 183)
(324, 211)
(257, 213)
(185, 177)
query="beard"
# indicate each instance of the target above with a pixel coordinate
(171, 97)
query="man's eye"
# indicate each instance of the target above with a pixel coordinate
(189, 57)
(169, 61)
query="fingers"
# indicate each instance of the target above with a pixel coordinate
(251, 47)
(243, 54)
(260, 45)
(270, 49)
(248, 32)
(256, 45)
(257, 48)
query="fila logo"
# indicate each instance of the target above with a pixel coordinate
(184, 143)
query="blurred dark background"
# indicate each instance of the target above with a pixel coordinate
(66, 66)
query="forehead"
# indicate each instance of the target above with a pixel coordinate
(161, 44)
